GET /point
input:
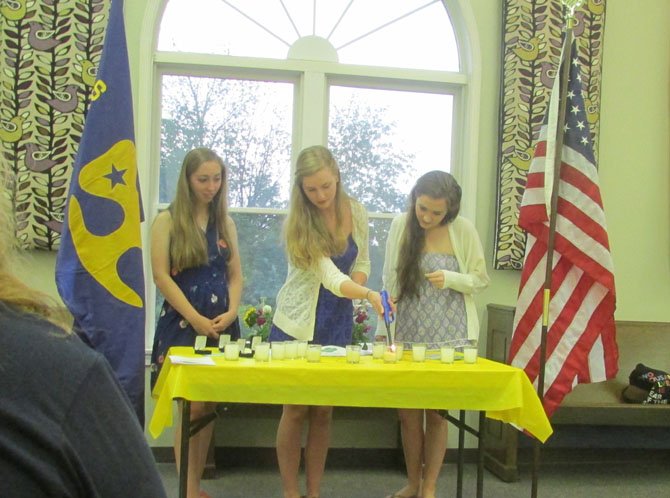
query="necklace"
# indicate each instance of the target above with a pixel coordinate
(202, 224)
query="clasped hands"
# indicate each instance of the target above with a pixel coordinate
(212, 327)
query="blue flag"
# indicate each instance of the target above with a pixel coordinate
(99, 272)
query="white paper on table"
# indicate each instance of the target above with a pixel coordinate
(189, 360)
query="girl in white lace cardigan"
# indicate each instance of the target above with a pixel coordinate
(326, 236)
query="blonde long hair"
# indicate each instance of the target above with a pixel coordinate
(188, 244)
(307, 237)
(14, 293)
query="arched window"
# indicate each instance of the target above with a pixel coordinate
(383, 84)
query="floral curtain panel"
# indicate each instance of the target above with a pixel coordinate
(531, 47)
(50, 51)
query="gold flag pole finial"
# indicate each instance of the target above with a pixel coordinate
(570, 8)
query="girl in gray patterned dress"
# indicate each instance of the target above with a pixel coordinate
(434, 265)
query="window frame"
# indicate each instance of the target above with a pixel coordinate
(312, 80)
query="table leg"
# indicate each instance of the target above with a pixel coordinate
(184, 447)
(461, 455)
(480, 455)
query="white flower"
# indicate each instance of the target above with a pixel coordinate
(267, 309)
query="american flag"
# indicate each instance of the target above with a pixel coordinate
(581, 343)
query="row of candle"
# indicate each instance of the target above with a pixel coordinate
(447, 353)
(290, 350)
(283, 350)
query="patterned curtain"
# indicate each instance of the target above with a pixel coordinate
(50, 52)
(531, 47)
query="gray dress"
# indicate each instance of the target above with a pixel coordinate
(437, 316)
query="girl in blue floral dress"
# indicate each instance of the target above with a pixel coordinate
(196, 266)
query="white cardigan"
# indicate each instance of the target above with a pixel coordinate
(295, 313)
(469, 254)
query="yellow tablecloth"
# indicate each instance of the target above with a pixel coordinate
(502, 391)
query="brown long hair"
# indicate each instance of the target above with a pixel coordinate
(13, 292)
(437, 185)
(306, 235)
(188, 245)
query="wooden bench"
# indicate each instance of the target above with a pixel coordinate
(598, 404)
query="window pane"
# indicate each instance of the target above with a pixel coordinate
(423, 39)
(263, 258)
(384, 140)
(407, 33)
(247, 122)
(213, 27)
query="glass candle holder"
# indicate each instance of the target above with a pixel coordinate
(470, 352)
(419, 352)
(314, 353)
(278, 350)
(255, 341)
(231, 352)
(447, 354)
(390, 355)
(301, 350)
(291, 350)
(353, 353)
(262, 351)
(399, 350)
(378, 348)
(241, 343)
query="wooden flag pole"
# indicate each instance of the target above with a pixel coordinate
(563, 90)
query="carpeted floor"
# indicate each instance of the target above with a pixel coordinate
(620, 479)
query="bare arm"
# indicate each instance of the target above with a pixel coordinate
(160, 267)
(352, 290)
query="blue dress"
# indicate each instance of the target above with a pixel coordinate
(206, 288)
(334, 315)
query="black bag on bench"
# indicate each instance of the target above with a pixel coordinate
(647, 386)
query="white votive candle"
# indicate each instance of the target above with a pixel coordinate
(231, 351)
(291, 350)
(399, 350)
(278, 350)
(469, 354)
(314, 353)
(378, 350)
(390, 355)
(255, 341)
(262, 351)
(301, 350)
(419, 352)
(447, 354)
(353, 353)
